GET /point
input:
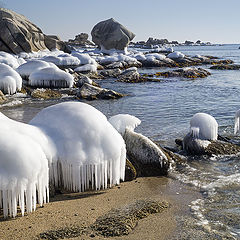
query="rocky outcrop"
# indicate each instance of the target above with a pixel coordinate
(189, 72)
(18, 34)
(225, 67)
(90, 92)
(80, 40)
(110, 34)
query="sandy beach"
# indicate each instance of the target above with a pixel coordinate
(81, 210)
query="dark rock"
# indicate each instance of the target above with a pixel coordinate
(110, 34)
(225, 67)
(18, 34)
(90, 92)
(130, 171)
(156, 41)
(81, 40)
(194, 146)
(190, 72)
(130, 74)
(147, 158)
(113, 73)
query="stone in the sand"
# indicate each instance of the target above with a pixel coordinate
(18, 34)
(148, 158)
(90, 92)
(110, 34)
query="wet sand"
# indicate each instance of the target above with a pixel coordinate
(81, 210)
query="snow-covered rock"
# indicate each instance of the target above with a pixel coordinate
(10, 80)
(64, 60)
(176, 55)
(9, 59)
(51, 77)
(86, 68)
(30, 66)
(89, 149)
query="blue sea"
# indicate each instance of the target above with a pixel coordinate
(165, 109)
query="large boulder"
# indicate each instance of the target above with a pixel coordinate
(18, 34)
(110, 34)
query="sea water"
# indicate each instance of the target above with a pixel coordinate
(165, 109)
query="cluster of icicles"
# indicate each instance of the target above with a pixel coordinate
(69, 144)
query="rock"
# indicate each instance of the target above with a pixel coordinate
(90, 92)
(2, 97)
(81, 40)
(54, 42)
(111, 72)
(194, 146)
(147, 158)
(18, 34)
(110, 34)
(156, 41)
(130, 171)
(45, 94)
(129, 75)
(188, 72)
(225, 67)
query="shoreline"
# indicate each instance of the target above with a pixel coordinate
(70, 210)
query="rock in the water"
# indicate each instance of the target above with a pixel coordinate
(225, 67)
(110, 34)
(188, 72)
(18, 34)
(147, 158)
(46, 94)
(129, 75)
(90, 92)
(194, 146)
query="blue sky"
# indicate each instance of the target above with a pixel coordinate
(216, 21)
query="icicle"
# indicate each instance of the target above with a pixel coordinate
(237, 122)
(5, 203)
(194, 132)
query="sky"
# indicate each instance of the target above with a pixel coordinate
(216, 21)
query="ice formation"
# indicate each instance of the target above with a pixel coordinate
(237, 122)
(62, 60)
(122, 121)
(203, 126)
(86, 68)
(176, 55)
(84, 58)
(25, 152)
(8, 59)
(10, 80)
(32, 65)
(51, 77)
(90, 151)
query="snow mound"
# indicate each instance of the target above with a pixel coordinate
(24, 174)
(86, 68)
(84, 58)
(90, 151)
(10, 80)
(62, 60)
(51, 77)
(122, 121)
(8, 59)
(32, 65)
(176, 55)
(203, 126)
